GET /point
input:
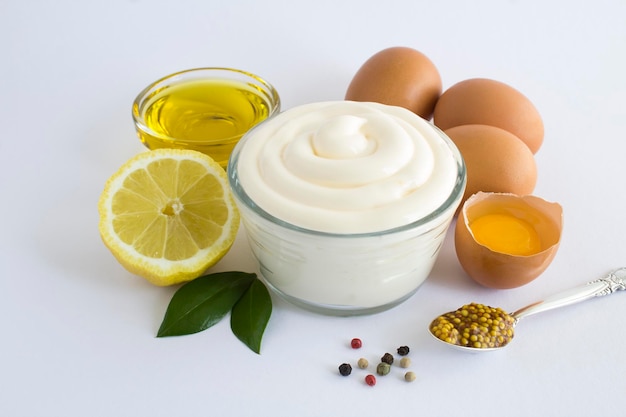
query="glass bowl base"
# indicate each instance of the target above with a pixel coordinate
(335, 309)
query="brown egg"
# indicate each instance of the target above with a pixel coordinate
(488, 102)
(398, 76)
(505, 241)
(496, 160)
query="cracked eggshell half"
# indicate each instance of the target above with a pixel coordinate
(496, 269)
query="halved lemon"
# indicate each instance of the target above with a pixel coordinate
(168, 215)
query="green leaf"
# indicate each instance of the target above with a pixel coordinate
(201, 303)
(251, 314)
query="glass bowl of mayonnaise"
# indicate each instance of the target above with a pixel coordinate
(346, 204)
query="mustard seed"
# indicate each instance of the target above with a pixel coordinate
(474, 325)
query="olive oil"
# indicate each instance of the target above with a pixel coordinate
(205, 115)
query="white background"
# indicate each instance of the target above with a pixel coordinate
(78, 332)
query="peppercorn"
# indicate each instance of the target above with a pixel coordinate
(410, 376)
(387, 358)
(345, 369)
(474, 325)
(356, 343)
(363, 363)
(405, 362)
(383, 368)
(403, 350)
(370, 380)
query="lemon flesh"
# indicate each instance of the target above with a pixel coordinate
(168, 215)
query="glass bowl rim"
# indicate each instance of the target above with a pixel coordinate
(455, 196)
(272, 96)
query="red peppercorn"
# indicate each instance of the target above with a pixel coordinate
(356, 343)
(370, 380)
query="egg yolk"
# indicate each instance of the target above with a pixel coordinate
(506, 234)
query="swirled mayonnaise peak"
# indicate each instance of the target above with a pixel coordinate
(347, 167)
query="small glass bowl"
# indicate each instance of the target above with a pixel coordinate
(345, 274)
(205, 109)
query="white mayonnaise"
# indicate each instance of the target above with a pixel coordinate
(347, 167)
(360, 196)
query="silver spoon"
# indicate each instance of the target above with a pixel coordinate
(614, 281)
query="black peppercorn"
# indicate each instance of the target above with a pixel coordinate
(387, 358)
(403, 350)
(345, 369)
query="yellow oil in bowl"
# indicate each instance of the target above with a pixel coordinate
(206, 109)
